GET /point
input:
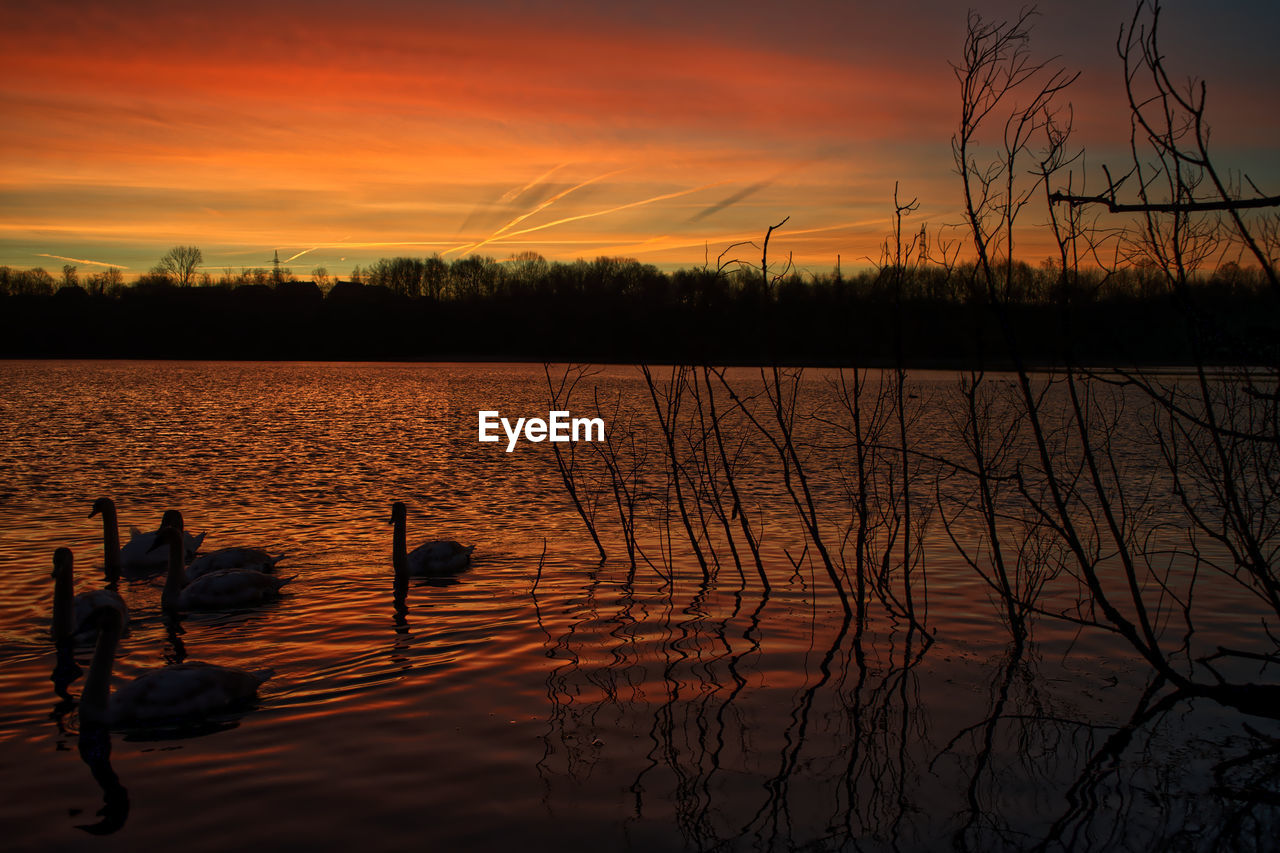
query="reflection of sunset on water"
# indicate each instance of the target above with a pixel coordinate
(687, 711)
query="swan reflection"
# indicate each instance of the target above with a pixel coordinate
(95, 750)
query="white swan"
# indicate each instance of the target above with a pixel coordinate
(136, 556)
(250, 559)
(435, 558)
(172, 695)
(220, 590)
(74, 616)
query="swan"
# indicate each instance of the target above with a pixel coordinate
(225, 589)
(137, 552)
(74, 616)
(110, 536)
(250, 559)
(136, 556)
(435, 558)
(175, 694)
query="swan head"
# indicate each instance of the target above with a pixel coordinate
(102, 505)
(172, 518)
(62, 562)
(398, 512)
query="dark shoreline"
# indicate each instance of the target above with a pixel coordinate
(301, 325)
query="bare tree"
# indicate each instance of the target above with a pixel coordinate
(1094, 516)
(106, 282)
(180, 264)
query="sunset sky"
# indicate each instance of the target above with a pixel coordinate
(337, 133)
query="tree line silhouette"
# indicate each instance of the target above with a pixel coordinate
(619, 309)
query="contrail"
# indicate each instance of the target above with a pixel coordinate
(81, 261)
(300, 254)
(338, 243)
(667, 242)
(607, 211)
(484, 215)
(513, 194)
(538, 208)
(730, 201)
(361, 244)
(861, 223)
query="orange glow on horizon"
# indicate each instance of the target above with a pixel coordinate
(313, 128)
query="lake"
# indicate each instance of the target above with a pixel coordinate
(551, 700)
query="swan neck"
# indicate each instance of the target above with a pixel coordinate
(97, 684)
(176, 579)
(111, 543)
(399, 552)
(63, 607)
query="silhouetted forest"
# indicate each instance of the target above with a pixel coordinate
(613, 309)
(622, 310)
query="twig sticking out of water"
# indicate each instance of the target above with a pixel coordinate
(541, 560)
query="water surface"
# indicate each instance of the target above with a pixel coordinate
(547, 699)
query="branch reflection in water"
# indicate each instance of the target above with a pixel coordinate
(724, 760)
(851, 748)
